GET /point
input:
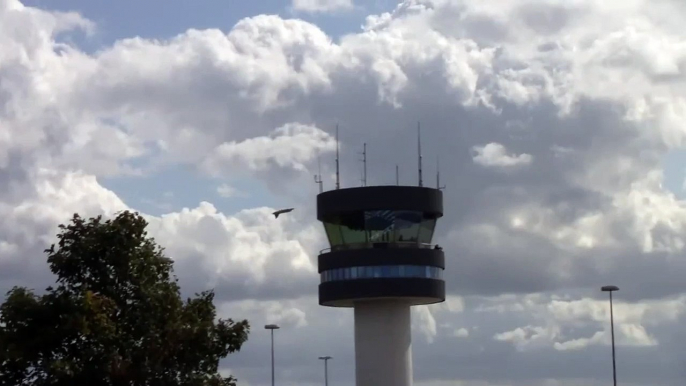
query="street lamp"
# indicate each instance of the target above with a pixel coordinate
(326, 369)
(611, 289)
(272, 327)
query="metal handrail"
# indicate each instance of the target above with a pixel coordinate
(372, 245)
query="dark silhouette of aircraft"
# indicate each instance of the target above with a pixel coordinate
(281, 211)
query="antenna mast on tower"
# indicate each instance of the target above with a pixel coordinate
(338, 172)
(419, 151)
(318, 176)
(364, 164)
(397, 175)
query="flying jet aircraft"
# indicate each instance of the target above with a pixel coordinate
(280, 211)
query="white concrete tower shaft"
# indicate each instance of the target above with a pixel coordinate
(383, 343)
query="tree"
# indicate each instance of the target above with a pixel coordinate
(115, 316)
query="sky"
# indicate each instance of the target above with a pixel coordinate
(558, 124)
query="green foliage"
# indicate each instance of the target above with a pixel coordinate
(115, 316)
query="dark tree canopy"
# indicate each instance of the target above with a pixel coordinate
(114, 317)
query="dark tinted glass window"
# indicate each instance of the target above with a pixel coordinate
(407, 224)
(426, 230)
(380, 225)
(333, 232)
(390, 271)
(352, 235)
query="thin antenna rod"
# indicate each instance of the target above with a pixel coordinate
(338, 171)
(397, 175)
(438, 175)
(364, 165)
(419, 151)
(318, 177)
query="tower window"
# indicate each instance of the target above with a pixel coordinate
(381, 272)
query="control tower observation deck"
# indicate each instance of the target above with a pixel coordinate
(380, 263)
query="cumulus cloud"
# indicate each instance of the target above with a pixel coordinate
(559, 319)
(290, 146)
(245, 256)
(582, 98)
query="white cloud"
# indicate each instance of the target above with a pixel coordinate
(248, 255)
(289, 146)
(425, 322)
(461, 332)
(286, 315)
(529, 337)
(452, 304)
(628, 335)
(580, 343)
(322, 5)
(558, 316)
(495, 155)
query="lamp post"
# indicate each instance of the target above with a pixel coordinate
(272, 327)
(611, 289)
(326, 369)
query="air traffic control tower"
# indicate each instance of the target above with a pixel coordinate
(380, 263)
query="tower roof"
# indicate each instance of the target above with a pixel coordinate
(390, 197)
